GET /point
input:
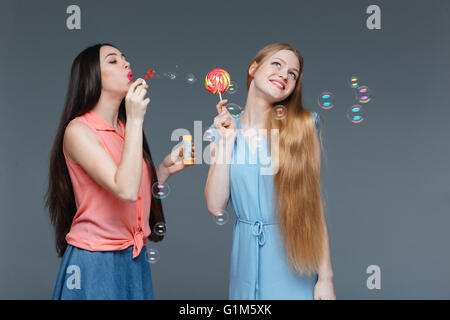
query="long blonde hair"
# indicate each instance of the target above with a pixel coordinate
(297, 181)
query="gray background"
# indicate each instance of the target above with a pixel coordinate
(386, 180)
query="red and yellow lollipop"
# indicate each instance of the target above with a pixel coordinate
(217, 81)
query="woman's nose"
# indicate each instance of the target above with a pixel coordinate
(283, 77)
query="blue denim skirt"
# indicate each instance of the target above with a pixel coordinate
(103, 275)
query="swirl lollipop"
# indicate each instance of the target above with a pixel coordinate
(217, 81)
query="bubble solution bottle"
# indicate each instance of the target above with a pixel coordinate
(187, 141)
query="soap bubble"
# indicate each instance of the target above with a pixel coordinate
(354, 82)
(222, 218)
(356, 114)
(208, 136)
(190, 78)
(279, 112)
(160, 229)
(363, 94)
(171, 75)
(326, 100)
(160, 190)
(234, 110)
(232, 89)
(152, 255)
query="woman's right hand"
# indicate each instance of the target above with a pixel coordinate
(224, 123)
(135, 104)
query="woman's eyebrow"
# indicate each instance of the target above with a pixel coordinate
(295, 69)
(113, 53)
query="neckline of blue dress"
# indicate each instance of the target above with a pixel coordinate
(246, 145)
(239, 131)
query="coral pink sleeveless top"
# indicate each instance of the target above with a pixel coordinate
(103, 222)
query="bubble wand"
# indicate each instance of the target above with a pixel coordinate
(147, 76)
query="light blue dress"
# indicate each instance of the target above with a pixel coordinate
(259, 266)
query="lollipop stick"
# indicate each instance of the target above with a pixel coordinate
(220, 96)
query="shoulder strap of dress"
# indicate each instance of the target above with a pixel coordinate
(238, 123)
(316, 118)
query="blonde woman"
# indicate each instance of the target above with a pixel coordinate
(280, 241)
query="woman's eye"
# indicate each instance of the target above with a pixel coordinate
(276, 63)
(113, 61)
(293, 75)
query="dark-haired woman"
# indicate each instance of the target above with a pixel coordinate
(101, 173)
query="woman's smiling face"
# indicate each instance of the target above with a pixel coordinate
(115, 70)
(277, 76)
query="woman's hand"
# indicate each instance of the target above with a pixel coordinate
(224, 123)
(172, 163)
(324, 290)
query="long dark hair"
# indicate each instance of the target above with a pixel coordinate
(82, 95)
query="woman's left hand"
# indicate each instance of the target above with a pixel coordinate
(173, 163)
(324, 290)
